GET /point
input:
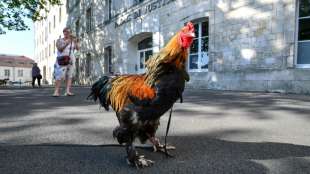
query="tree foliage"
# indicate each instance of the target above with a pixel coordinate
(14, 12)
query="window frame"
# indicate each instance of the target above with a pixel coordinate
(20, 73)
(54, 22)
(303, 66)
(139, 69)
(88, 64)
(77, 27)
(7, 73)
(199, 53)
(54, 47)
(108, 59)
(89, 21)
(60, 14)
(145, 41)
(49, 50)
(109, 9)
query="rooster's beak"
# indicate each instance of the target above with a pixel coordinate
(192, 35)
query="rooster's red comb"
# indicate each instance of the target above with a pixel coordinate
(190, 26)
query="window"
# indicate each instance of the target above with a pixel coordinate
(303, 54)
(198, 56)
(54, 47)
(59, 14)
(109, 9)
(46, 33)
(54, 22)
(88, 19)
(68, 4)
(145, 51)
(77, 2)
(88, 64)
(42, 37)
(136, 2)
(20, 73)
(49, 49)
(46, 52)
(108, 59)
(77, 69)
(44, 72)
(77, 28)
(7, 73)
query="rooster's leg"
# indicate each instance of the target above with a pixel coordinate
(123, 135)
(158, 147)
(134, 159)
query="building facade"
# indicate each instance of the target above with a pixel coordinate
(15, 68)
(46, 33)
(251, 45)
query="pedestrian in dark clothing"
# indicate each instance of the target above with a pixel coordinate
(36, 74)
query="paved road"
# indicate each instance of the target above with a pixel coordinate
(214, 132)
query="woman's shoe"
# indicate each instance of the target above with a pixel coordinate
(55, 95)
(68, 94)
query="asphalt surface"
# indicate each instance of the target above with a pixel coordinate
(214, 132)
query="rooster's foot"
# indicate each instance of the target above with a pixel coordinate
(161, 149)
(140, 162)
(158, 147)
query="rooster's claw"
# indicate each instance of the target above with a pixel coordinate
(141, 162)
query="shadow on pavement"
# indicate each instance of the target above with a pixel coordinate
(29, 101)
(255, 103)
(200, 154)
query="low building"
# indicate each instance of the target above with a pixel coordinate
(15, 68)
(252, 45)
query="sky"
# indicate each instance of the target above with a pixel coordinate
(18, 42)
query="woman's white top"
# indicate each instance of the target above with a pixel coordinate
(66, 51)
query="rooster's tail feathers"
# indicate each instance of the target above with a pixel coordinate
(100, 89)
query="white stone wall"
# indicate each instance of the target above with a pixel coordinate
(251, 42)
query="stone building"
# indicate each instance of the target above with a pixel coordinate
(15, 68)
(46, 33)
(252, 45)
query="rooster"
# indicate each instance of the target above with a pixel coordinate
(140, 100)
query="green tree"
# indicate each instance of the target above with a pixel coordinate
(14, 12)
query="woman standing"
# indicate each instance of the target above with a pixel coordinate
(36, 74)
(65, 47)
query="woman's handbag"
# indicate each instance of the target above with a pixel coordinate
(64, 60)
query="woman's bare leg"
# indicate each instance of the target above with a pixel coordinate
(69, 84)
(57, 87)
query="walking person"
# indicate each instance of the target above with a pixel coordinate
(36, 74)
(64, 69)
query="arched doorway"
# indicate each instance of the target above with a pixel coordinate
(140, 48)
(44, 74)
